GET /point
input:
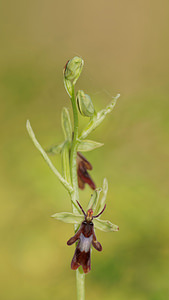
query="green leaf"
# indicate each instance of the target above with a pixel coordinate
(105, 225)
(103, 199)
(88, 145)
(65, 162)
(66, 124)
(94, 199)
(98, 118)
(56, 149)
(68, 217)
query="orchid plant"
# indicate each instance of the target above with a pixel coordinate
(75, 167)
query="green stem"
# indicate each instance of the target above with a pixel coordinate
(80, 281)
(73, 154)
(80, 277)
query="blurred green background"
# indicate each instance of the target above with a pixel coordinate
(125, 46)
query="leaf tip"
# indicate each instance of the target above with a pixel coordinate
(27, 123)
(116, 97)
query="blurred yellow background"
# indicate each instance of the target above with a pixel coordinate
(125, 47)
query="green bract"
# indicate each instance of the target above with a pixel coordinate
(68, 87)
(98, 118)
(85, 104)
(87, 145)
(66, 124)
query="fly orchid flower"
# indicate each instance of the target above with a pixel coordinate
(88, 221)
(86, 237)
(83, 165)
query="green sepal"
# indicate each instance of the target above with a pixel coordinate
(98, 118)
(65, 162)
(88, 145)
(94, 199)
(102, 202)
(68, 217)
(66, 124)
(105, 225)
(72, 218)
(56, 149)
(79, 68)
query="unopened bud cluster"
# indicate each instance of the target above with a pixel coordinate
(72, 71)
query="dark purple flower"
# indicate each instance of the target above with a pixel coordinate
(82, 171)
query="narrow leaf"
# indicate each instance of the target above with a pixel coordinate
(66, 124)
(46, 158)
(87, 145)
(68, 217)
(105, 225)
(94, 199)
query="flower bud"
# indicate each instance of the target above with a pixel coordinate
(73, 69)
(85, 104)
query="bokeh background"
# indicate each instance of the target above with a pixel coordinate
(126, 50)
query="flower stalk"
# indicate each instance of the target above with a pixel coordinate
(80, 276)
(73, 153)
(75, 176)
